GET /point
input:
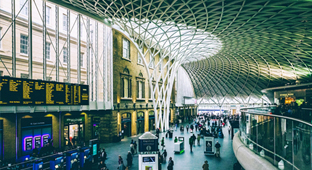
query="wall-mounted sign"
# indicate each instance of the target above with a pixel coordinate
(17, 91)
(70, 120)
(36, 121)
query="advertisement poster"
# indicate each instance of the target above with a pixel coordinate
(209, 146)
(148, 168)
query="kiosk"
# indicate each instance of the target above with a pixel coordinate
(94, 148)
(179, 146)
(71, 158)
(56, 162)
(209, 148)
(38, 165)
(148, 152)
(83, 155)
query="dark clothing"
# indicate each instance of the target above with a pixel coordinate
(218, 145)
(129, 159)
(170, 165)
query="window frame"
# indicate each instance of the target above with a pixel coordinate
(24, 10)
(48, 51)
(65, 22)
(48, 15)
(0, 38)
(22, 45)
(126, 88)
(65, 51)
(127, 57)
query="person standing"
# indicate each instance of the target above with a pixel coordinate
(229, 130)
(129, 159)
(218, 146)
(205, 165)
(187, 127)
(170, 164)
(135, 145)
(191, 143)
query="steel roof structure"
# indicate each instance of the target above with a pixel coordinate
(231, 49)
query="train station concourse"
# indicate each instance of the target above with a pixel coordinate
(156, 84)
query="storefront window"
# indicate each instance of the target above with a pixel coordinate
(126, 124)
(74, 131)
(140, 123)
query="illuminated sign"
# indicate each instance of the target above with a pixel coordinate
(17, 91)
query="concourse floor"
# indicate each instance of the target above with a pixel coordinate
(185, 161)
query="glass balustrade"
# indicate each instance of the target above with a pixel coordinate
(283, 141)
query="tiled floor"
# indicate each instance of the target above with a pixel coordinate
(184, 161)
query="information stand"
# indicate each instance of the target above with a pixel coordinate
(209, 148)
(148, 152)
(179, 146)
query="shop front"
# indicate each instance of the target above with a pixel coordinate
(35, 133)
(291, 96)
(74, 130)
(151, 117)
(140, 122)
(95, 127)
(126, 124)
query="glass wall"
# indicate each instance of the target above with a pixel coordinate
(55, 44)
(281, 140)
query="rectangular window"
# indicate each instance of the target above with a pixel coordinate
(48, 51)
(81, 59)
(126, 89)
(65, 56)
(1, 37)
(48, 14)
(140, 89)
(126, 49)
(64, 22)
(25, 8)
(24, 44)
(140, 61)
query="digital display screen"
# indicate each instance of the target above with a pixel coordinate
(17, 91)
(150, 159)
(94, 149)
(37, 142)
(28, 143)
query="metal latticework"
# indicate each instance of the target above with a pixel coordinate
(230, 49)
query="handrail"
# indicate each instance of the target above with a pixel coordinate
(267, 150)
(284, 117)
(247, 139)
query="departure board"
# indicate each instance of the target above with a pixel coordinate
(17, 91)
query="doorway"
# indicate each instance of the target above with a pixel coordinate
(126, 124)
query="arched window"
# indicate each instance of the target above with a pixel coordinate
(140, 86)
(125, 83)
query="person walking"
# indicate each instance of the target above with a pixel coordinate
(162, 142)
(164, 156)
(187, 127)
(205, 165)
(129, 159)
(119, 160)
(170, 164)
(218, 146)
(191, 143)
(121, 166)
(198, 140)
(194, 139)
(175, 140)
(229, 130)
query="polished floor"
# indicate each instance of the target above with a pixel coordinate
(185, 161)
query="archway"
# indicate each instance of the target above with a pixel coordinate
(126, 124)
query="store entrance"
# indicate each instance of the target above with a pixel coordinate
(126, 124)
(151, 120)
(74, 131)
(140, 123)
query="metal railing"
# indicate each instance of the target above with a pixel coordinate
(284, 141)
